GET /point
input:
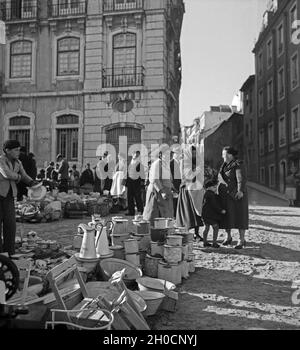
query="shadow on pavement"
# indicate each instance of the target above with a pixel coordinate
(212, 299)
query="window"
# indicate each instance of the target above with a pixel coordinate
(261, 142)
(262, 175)
(272, 176)
(261, 102)
(21, 9)
(280, 40)
(294, 71)
(68, 56)
(281, 84)
(124, 52)
(271, 137)
(282, 131)
(21, 59)
(19, 129)
(270, 93)
(295, 124)
(260, 64)
(293, 18)
(67, 137)
(269, 53)
(68, 7)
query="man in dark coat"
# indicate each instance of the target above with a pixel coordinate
(87, 179)
(63, 173)
(135, 182)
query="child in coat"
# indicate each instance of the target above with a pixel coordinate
(212, 212)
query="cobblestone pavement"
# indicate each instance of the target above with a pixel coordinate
(248, 289)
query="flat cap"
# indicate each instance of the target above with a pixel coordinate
(11, 144)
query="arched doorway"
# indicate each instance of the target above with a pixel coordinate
(133, 133)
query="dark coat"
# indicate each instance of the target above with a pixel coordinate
(176, 176)
(87, 177)
(211, 209)
(237, 211)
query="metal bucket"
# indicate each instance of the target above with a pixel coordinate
(151, 266)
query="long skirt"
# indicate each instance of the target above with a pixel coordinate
(187, 215)
(156, 206)
(237, 211)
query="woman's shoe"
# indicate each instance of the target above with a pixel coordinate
(241, 245)
(227, 242)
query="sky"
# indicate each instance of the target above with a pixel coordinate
(217, 40)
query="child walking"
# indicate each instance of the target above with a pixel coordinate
(212, 212)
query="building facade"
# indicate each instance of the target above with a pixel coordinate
(78, 74)
(250, 147)
(228, 133)
(277, 57)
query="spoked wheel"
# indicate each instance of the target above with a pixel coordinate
(9, 274)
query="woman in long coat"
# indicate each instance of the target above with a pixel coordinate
(191, 193)
(233, 193)
(159, 197)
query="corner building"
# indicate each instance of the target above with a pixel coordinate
(77, 74)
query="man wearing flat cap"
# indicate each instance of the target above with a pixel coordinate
(11, 173)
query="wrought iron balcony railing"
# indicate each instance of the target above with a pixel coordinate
(122, 5)
(18, 10)
(122, 77)
(66, 8)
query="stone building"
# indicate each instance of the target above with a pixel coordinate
(277, 56)
(78, 74)
(227, 133)
(250, 147)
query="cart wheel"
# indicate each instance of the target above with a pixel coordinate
(9, 274)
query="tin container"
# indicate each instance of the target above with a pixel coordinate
(172, 255)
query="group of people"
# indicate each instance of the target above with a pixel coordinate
(221, 202)
(167, 188)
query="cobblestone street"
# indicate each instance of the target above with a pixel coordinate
(231, 289)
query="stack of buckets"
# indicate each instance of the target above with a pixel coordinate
(127, 246)
(172, 257)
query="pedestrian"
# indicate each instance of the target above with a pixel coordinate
(11, 173)
(176, 176)
(75, 179)
(212, 212)
(99, 176)
(41, 176)
(135, 182)
(118, 189)
(49, 170)
(291, 186)
(86, 181)
(159, 198)
(32, 172)
(63, 173)
(191, 192)
(233, 193)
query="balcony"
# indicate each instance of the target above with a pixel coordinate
(121, 77)
(11, 11)
(122, 5)
(67, 8)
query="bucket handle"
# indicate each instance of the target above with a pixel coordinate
(99, 228)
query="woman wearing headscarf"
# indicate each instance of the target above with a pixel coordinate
(159, 197)
(233, 193)
(191, 190)
(118, 190)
